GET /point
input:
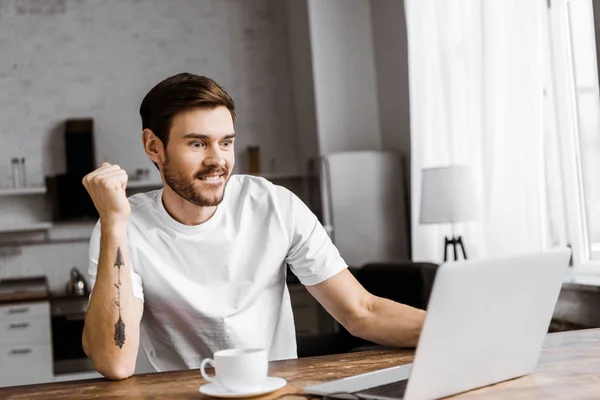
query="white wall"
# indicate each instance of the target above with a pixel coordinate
(54, 261)
(391, 61)
(302, 80)
(345, 84)
(63, 59)
(91, 58)
(349, 65)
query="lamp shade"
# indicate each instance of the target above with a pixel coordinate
(448, 195)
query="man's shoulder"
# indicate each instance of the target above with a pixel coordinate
(244, 180)
(257, 195)
(139, 201)
(143, 208)
(141, 205)
(254, 186)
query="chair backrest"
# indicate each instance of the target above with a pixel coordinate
(408, 283)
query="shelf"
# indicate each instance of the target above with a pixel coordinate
(62, 377)
(143, 184)
(280, 176)
(582, 279)
(146, 184)
(7, 247)
(38, 226)
(22, 191)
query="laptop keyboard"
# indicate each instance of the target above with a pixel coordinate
(394, 389)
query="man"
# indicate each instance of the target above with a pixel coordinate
(204, 259)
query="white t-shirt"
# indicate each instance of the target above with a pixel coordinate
(222, 284)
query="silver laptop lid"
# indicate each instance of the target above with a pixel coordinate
(486, 323)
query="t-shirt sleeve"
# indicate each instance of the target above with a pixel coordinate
(94, 254)
(312, 256)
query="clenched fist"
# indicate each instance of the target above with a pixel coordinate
(106, 187)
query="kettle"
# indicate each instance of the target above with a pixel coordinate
(77, 286)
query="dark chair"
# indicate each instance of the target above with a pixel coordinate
(408, 283)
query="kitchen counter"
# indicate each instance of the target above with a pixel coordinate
(25, 289)
(33, 289)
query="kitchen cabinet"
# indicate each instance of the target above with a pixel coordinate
(16, 215)
(25, 343)
(25, 310)
(40, 335)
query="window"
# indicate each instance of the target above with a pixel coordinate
(573, 131)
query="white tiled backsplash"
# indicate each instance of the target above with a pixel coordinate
(98, 58)
(52, 260)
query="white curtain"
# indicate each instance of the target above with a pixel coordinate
(476, 98)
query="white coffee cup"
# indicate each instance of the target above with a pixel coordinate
(238, 370)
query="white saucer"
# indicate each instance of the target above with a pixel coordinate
(270, 384)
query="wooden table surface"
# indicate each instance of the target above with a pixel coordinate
(569, 368)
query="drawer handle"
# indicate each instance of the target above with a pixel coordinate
(20, 351)
(19, 325)
(20, 310)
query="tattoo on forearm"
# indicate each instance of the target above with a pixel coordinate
(120, 325)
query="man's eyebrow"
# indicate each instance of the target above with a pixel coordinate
(193, 135)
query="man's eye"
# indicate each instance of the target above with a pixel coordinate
(196, 144)
(227, 143)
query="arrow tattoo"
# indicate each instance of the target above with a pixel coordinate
(120, 325)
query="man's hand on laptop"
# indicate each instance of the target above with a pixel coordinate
(367, 316)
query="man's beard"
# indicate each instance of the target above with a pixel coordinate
(184, 186)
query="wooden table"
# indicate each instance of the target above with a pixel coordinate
(569, 369)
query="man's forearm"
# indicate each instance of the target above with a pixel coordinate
(111, 333)
(390, 324)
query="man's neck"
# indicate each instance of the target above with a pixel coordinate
(183, 211)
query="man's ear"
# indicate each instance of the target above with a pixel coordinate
(153, 146)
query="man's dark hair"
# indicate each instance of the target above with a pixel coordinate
(179, 93)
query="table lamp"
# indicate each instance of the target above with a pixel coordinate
(448, 196)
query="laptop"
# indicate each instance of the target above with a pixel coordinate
(486, 323)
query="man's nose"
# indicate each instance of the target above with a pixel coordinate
(214, 157)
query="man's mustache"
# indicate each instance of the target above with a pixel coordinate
(210, 171)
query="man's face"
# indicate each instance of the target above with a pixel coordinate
(199, 156)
